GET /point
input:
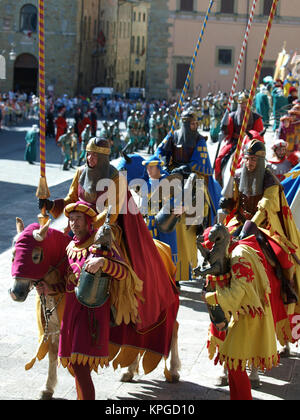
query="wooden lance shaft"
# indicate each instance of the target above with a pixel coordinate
(42, 190)
(253, 89)
(237, 73)
(241, 57)
(191, 69)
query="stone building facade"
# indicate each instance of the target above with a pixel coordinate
(19, 31)
(87, 44)
(220, 49)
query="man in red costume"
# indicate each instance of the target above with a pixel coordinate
(61, 126)
(97, 183)
(84, 338)
(232, 130)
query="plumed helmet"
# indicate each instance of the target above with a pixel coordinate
(255, 148)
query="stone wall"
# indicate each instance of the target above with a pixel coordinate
(61, 42)
(157, 54)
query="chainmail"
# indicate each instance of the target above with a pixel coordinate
(252, 183)
(90, 176)
(185, 136)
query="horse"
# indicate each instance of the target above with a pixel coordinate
(216, 260)
(135, 172)
(39, 254)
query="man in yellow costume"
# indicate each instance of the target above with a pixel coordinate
(259, 197)
(185, 152)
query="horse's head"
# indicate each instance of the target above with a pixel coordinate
(132, 164)
(35, 249)
(219, 234)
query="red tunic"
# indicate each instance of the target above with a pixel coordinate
(61, 126)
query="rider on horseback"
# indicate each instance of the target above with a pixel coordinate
(232, 131)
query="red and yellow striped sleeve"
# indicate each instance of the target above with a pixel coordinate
(114, 269)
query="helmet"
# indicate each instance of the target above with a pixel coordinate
(279, 143)
(255, 148)
(98, 145)
(188, 115)
(242, 98)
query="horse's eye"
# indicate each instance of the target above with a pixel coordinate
(37, 255)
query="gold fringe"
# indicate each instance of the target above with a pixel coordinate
(256, 362)
(82, 359)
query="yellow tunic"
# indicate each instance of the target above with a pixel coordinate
(251, 336)
(274, 217)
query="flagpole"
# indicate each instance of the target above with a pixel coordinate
(190, 72)
(42, 190)
(253, 89)
(237, 72)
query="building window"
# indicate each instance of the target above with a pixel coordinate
(132, 44)
(227, 6)
(187, 5)
(267, 7)
(28, 18)
(142, 78)
(181, 73)
(224, 57)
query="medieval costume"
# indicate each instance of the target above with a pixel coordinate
(61, 126)
(103, 185)
(85, 138)
(31, 144)
(84, 338)
(154, 204)
(258, 197)
(262, 104)
(65, 142)
(280, 104)
(291, 184)
(244, 296)
(280, 164)
(186, 152)
(232, 132)
(153, 133)
(131, 126)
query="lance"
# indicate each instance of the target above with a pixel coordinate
(42, 190)
(237, 72)
(228, 189)
(191, 69)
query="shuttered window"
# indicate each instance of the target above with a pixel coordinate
(187, 5)
(267, 7)
(227, 6)
(181, 73)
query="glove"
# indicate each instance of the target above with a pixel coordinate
(184, 170)
(44, 202)
(249, 229)
(226, 203)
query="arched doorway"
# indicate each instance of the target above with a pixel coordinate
(26, 73)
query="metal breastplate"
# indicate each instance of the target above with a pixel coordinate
(247, 206)
(181, 154)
